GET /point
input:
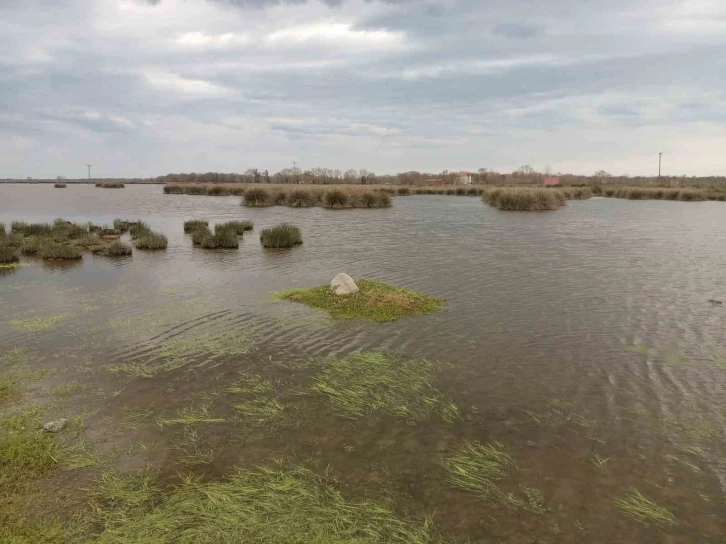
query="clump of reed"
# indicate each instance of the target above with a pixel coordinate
(238, 227)
(60, 185)
(222, 238)
(110, 185)
(123, 225)
(139, 228)
(32, 229)
(8, 254)
(524, 199)
(30, 246)
(284, 235)
(150, 240)
(403, 191)
(53, 251)
(302, 198)
(256, 197)
(576, 193)
(114, 249)
(200, 234)
(335, 198)
(194, 224)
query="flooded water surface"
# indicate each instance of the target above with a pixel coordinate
(583, 348)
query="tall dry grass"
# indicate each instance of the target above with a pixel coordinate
(524, 199)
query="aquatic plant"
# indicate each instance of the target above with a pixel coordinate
(200, 234)
(38, 324)
(138, 228)
(194, 224)
(284, 235)
(114, 249)
(375, 301)
(151, 240)
(60, 185)
(274, 503)
(255, 400)
(404, 191)
(524, 199)
(256, 197)
(376, 381)
(478, 468)
(110, 185)
(30, 246)
(238, 227)
(53, 251)
(222, 238)
(335, 198)
(301, 198)
(8, 254)
(637, 506)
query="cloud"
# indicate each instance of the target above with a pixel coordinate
(232, 84)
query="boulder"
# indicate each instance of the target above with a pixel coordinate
(55, 426)
(343, 284)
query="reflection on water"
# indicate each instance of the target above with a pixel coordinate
(582, 340)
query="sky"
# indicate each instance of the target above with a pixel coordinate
(142, 88)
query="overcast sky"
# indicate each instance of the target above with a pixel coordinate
(147, 87)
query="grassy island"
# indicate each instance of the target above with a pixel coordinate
(376, 301)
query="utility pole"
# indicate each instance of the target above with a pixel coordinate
(89, 170)
(294, 170)
(659, 158)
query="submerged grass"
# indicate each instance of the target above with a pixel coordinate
(644, 510)
(478, 468)
(375, 381)
(524, 199)
(376, 301)
(272, 504)
(38, 324)
(255, 400)
(191, 415)
(284, 235)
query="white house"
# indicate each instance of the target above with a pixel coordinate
(466, 178)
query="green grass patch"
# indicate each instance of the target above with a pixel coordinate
(376, 301)
(191, 415)
(479, 468)
(254, 400)
(40, 323)
(26, 451)
(375, 381)
(284, 235)
(191, 449)
(637, 506)
(269, 504)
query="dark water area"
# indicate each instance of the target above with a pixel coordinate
(582, 331)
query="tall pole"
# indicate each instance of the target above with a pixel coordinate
(294, 170)
(660, 155)
(89, 170)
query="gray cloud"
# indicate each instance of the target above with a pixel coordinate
(384, 85)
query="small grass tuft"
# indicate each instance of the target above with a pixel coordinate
(376, 301)
(222, 238)
(284, 235)
(375, 381)
(238, 227)
(644, 510)
(193, 224)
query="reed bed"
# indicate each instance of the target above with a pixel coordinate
(8, 254)
(576, 193)
(281, 236)
(59, 185)
(658, 193)
(525, 199)
(208, 189)
(110, 185)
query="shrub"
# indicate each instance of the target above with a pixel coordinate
(8, 255)
(238, 227)
(525, 199)
(151, 240)
(335, 198)
(114, 249)
(284, 235)
(301, 198)
(256, 197)
(52, 251)
(194, 224)
(60, 185)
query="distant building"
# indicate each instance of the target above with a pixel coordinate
(551, 181)
(466, 178)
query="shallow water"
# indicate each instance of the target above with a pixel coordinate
(584, 330)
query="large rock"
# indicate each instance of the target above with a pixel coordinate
(343, 284)
(55, 426)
